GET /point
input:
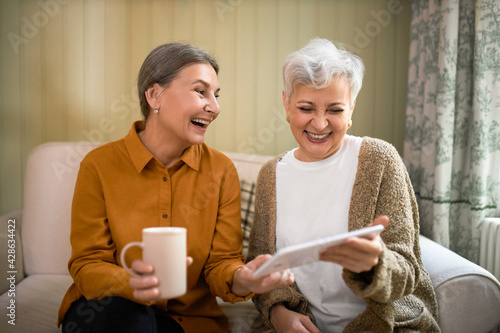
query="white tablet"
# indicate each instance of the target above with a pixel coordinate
(308, 252)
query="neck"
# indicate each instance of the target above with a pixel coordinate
(160, 145)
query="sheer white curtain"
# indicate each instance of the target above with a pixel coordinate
(452, 136)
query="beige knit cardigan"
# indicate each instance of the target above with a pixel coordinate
(398, 291)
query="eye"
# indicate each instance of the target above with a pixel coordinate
(335, 110)
(304, 109)
(200, 91)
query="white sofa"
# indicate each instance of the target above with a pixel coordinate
(468, 295)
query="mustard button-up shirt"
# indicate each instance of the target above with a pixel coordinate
(122, 188)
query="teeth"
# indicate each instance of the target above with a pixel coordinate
(318, 137)
(201, 121)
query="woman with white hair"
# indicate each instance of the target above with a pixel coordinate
(333, 183)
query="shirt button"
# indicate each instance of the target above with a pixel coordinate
(164, 216)
(180, 319)
(164, 179)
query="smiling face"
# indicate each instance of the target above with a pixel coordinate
(187, 106)
(319, 118)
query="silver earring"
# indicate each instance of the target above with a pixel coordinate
(155, 111)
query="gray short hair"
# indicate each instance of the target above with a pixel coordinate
(319, 63)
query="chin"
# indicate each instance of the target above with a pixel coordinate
(197, 141)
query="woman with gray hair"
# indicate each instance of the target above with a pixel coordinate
(330, 184)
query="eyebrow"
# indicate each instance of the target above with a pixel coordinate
(205, 83)
(329, 105)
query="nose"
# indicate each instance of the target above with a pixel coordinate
(319, 121)
(212, 105)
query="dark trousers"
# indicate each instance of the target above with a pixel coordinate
(116, 314)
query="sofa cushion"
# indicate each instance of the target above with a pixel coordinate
(35, 311)
(48, 192)
(247, 211)
(241, 315)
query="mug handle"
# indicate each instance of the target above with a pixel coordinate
(122, 256)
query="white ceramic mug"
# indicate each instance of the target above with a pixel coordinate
(165, 249)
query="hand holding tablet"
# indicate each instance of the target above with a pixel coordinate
(308, 252)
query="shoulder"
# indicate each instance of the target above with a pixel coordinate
(377, 149)
(212, 155)
(106, 152)
(269, 168)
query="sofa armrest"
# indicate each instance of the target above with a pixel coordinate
(10, 240)
(468, 295)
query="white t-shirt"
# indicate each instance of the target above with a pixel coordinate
(313, 202)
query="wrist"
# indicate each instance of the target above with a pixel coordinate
(275, 306)
(238, 287)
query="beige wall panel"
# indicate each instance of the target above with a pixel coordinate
(141, 43)
(74, 74)
(270, 122)
(95, 70)
(307, 21)
(31, 79)
(51, 35)
(402, 20)
(162, 22)
(183, 21)
(74, 69)
(11, 126)
(287, 42)
(383, 26)
(114, 124)
(225, 53)
(364, 113)
(246, 49)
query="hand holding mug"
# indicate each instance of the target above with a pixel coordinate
(162, 272)
(145, 284)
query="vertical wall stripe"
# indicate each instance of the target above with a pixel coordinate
(11, 83)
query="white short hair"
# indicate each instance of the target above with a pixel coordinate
(319, 63)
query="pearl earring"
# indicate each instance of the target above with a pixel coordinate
(155, 111)
(349, 123)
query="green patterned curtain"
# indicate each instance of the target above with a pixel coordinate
(452, 135)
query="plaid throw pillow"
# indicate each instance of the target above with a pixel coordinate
(247, 209)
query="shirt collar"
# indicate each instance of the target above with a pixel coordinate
(141, 156)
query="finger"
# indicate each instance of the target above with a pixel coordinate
(258, 261)
(147, 294)
(356, 265)
(357, 249)
(307, 323)
(286, 278)
(353, 258)
(382, 219)
(143, 282)
(142, 267)
(361, 246)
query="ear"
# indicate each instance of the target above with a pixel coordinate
(285, 102)
(152, 95)
(352, 109)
